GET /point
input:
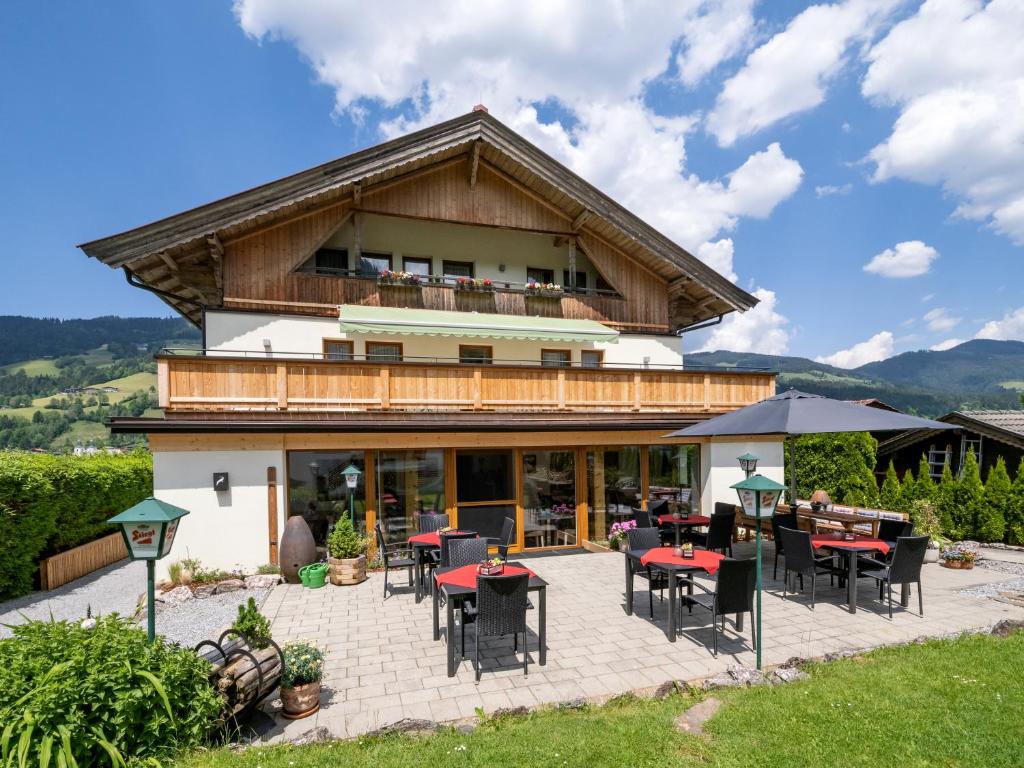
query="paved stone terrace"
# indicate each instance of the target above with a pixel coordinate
(382, 664)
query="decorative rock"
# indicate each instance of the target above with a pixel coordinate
(312, 736)
(205, 590)
(837, 655)
(789, 674)
(466, 726)
(1007, 627)
(408, 725)
(175, 596)
(263, 581)
(692, 720)
(230, 585)
(736, 676)
(665, 689)
(513, 711)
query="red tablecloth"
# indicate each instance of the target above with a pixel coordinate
(689, 520)
(466, 575)
(861, 542)
(702, 558)
(433, 538)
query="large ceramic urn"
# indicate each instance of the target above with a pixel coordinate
(297, 548)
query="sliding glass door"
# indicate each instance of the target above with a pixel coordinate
(549, 498)
(485, 490)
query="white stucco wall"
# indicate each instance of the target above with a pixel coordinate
(246, 332)
(720, 469)
(226, 529)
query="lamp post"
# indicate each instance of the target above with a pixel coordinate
(758, 497)
(351, 474)
(748, 463)
(148, 529)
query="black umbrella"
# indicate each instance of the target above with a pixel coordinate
(799, 413)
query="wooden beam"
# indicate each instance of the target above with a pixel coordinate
(572, 265)
(357, 194)
(171, 263)
(474, 163)
(580, 220)
(357, 239)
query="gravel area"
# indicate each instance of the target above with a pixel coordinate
(999, 589)
(197, 620)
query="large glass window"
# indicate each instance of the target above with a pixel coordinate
(484, 489)
(555, 358)
(384, 351)
(613, 487)
(374, 263)
(549, 498)
(675, 475)
(409, 484)
(317, 490)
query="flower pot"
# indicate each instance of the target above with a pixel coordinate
(613, 544)
(300, 700)
(959, 565)
(931, 555)
(348, 571)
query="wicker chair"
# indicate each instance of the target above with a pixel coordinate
(734, 593)
(782, 520)
(719, 535)
(649, 538)
(466, 551)
(394, 556)
(500, 610)
(446, 539)
(905, 568)
(507, 538)
(801, 560)
(430, 523)
(643, 518)
(891, 530)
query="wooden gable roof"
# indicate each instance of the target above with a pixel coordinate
(179, 257)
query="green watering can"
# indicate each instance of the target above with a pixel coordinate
(314, 575)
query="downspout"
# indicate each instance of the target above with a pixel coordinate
(134, 282)
(694, 327)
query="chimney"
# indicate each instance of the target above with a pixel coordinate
(480, 108)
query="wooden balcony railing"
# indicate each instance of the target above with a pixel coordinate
(205, 383)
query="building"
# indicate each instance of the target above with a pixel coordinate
(990, 434)
(454, 314)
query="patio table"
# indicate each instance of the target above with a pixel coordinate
(852, 550)
(683, 521)
(460, 582)
(421, 543)
(663, 559)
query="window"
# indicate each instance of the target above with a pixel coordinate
(555, 358)
(674, 475)
(581, 279)
(337, 350)
(549, 498)
(591, 358)
(373, 263)
(384, 351)
(613, 483)
(484, 476)
(937, 460)
(318, 493)
(475, 355)
(417, 265)
(327, 261)
(410, 483)
(455, 269)
(538, 275)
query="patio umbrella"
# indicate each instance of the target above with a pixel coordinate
(798, 413)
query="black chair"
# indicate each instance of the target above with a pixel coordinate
(431, 523)
(801, 560)
(781, 520)
(891, 530)
(905, 568)
(396, 555)
(657, 507)
(649, 538)
(466, 551)
(734, 593)
(723, 508)
(642, 518)
(446, 538)
(719, 535)
(507, 538)
(499, 610)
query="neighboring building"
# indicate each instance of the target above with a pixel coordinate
(466, 385)
(990, 434)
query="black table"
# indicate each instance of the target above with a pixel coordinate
(675, 572)
(455, 594)
(419, 553)
(852, 551)
(686, 521)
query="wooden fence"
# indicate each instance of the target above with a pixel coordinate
(67, 566)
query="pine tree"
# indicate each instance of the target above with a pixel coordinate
(925, 486)
(998, 497)
(945, 500)
(1015, 514)
(968, 499)
(908, 492)
(889, 498)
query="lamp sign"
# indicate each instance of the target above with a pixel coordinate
(142, 540)
(758, 503)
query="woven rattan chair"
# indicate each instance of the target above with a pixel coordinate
(500, 610)
(466, 551)
(446, 539)
(430, 523)
(719, 535)
(891, 530)
(733, 594)
(394, 556)
(507, 538)
(904, 568)
(801, 560)
(649, 538)
(781, 520)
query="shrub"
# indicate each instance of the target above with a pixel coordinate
(1015, 515)
(91, 693)
(843, 465)
(968, 497)
(252, 623)
(344, 543)
(924, 489)
(268, 569)
(889, 496)
(303, 663)
(997, 501)
(926, 521)
(945, 500)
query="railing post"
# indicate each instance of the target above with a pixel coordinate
(478, 386)
(707, 391)
(385, 387)
(282, 386)
(636, 390)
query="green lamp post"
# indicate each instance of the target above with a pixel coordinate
(351, 474)
(758, 496)
(748, 463)
(149, 529)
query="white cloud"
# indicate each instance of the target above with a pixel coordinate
(955, 70)
(722, 30)
(1010, 327)
(878, 347)
(940, 320)
(907, 259)
(942, 346)
(927, 297)
(761, 329)
(718, 256)
(790, 73)
(826, 190)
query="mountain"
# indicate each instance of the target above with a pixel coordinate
(974, 366)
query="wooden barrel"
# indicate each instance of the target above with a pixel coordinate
(345, 572)
(297, 548)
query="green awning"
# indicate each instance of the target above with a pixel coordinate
(394, 321)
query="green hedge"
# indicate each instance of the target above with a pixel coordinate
(52, 503)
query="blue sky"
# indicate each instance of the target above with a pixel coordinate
(787, 143)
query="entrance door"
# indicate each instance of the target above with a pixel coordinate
(549, 498)
(485, 490)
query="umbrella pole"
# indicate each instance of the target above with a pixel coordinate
(792, 470)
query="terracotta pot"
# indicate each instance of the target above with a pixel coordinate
(348, 571)
(300, 700)
(959, 565)
(297, 548)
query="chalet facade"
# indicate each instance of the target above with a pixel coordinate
(456, 315)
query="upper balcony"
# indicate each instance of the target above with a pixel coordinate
(208, 381)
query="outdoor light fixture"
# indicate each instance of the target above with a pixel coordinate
(748, 463)
(148, 529)
(758, 497)
(220, 481)
(351, 474)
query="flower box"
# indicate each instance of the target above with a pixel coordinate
(962, 565)
(543, 290)
(399, 279)
(490, 569)
(477, 284)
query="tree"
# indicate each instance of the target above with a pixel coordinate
(925, 486)
(889, 497)
(967, 499)
(908, 492)
(998, 497)
(945, 499)
(1015, 515)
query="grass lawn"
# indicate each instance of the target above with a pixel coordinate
(32, 368)
(945, 703)
(82, 431)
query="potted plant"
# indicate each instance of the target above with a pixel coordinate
(959, 556)
(533, 288)
(398, 278)
(926, 523)
(347, 554)
(493, 567)
(617, 535)
(300, 679)
(484, 284)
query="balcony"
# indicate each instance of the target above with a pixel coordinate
(191, 381)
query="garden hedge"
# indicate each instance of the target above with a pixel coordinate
(52, 503)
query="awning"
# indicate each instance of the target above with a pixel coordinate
(395, 321)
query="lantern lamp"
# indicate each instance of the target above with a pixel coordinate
(351, 474)
(748, 463)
